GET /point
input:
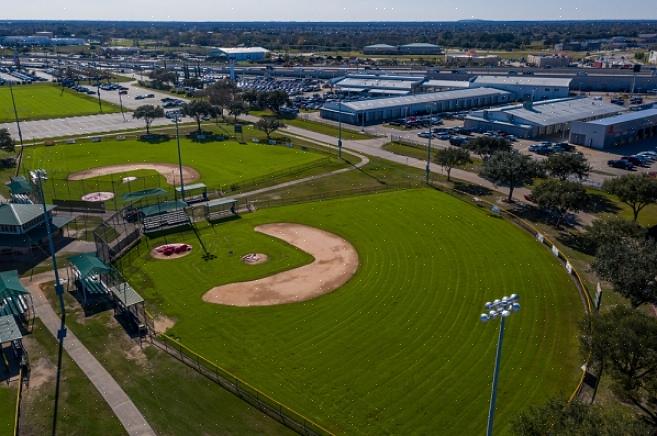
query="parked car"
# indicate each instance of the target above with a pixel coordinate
(620, 163)
(633, 160)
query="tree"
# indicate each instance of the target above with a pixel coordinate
(559, 417)
(198, 109)
(624, 341)
(236, 109)
(560, 197)
(565, 165)
(163, 78)
(221, 94)
(510, 169)
(6, 141)
(451, 157)
(486, 146)
(635, 190)
(148, 113)
(268, 125)
(610, 230)
(630, 265)
(275, 99)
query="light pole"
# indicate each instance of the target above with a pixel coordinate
(502, 309)
(121, 103)
(340, 128)
(182, 183)
(18, 123)
(38, 177)
(428, 168)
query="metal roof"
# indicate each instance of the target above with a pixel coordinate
(13, 214)
(9, 330)
(352, 82)
(220, 202)
(420, 44)
(432, 97)
(380, 46)
(522, 81)
(552, 112)
(19, 185)
(243, 50)
(192, 187)
(162, 208)
(145, 193)
(126, 295)
(446, 84)
(88, 265)
(624, 118)
(10, 285)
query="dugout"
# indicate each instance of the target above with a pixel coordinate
(220, 208)
(164, 216)
(15, 300)
(12, 354)
(194, 193)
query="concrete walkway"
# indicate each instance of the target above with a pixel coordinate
(124, 409)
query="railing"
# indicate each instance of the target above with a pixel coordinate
(273, 408)
(17, 412)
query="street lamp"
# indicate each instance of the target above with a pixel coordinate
(428, 167)
(38, 176)
(502, 309)
(182, 183)
(340, 128)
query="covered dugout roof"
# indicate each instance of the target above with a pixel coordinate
(145, 193)
(10, 284)
(9, 330)
(493, 81)
(126, 295)
(626, 118)
(19, 185)
(432, 97)
(88, 265)
(12, 214)
(192, 187)
(552, 112)
(161, 208)
(220, 202)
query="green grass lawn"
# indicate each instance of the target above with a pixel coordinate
(420, 152)
(220, 164)
(325, 129)
(35, 102)
(399, 349)
(7, 408)
(173, 398)
(82, 410)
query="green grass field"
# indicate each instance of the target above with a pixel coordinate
(7, 409)
(326, 129)
(36, 102)
(218, 163)
(399, 349)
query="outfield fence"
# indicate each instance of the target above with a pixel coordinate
(239, 387)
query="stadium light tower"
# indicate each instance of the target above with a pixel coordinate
(340, 128)
(502, 309)
(39, 176)
(182, 182)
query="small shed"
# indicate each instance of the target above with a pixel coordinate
(220, 208)
(194, 193)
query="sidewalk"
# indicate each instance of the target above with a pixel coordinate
(124, 409)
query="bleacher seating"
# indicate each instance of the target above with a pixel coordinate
(20, 199)
(168, 220)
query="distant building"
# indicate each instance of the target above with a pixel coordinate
(39, 41)
(120, 50)
(420, 48)
(548, 61)
(379, 84)
(46, 34)
(653, 58)
(615, 131)
(546, 118)
(647, 39)
(472, 59)
(528, 88)
(381, 49)
(241, 53)
(377, 111)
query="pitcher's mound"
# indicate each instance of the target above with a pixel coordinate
(97, 197)
(255, 258)
(336, 261)
(171, 251)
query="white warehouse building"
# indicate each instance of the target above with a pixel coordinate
(527, 88)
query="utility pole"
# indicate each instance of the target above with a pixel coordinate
(340, 128)
(18, 123)
(182, 183)
(121, 104)
(428, 168)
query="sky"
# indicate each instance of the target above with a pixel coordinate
(332, 10)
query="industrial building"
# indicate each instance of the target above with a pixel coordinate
(545, 118)
(241, 53)
(377, 111)
(615, 131)
(472, 59)
(420, 48)
(378, 85)
(39, 40)
(548, 61)
(527, 88)
(445, 85)
(381, 49)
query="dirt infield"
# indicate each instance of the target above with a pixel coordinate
(169, 171)
(336, 261)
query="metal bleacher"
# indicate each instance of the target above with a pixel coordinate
(165, 221)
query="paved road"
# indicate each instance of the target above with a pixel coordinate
(124, 409)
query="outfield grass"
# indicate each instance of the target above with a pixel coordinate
(7, 409)
(325, 129)
(399, 349)
(82, 410)
(219, 163)
(173, 398)
(35, 102)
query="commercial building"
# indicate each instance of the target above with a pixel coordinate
(615, 131)
(381, 49)
(420, 48)
(548, 61)
(379, 84)
(39, 40)
(376, 111)
(545, 118)
(528, 88)
(241, 53)
(445, 85)
(471, 59)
